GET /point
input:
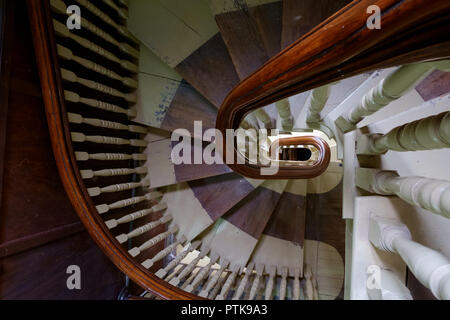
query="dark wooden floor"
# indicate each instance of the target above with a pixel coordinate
(40, 234)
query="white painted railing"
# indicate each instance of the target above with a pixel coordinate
(425, 134)
(393, 87)
(430, 194)
(387, 287)
(316, 102)
(284, 110)
(430, 267)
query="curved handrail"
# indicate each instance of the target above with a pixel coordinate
(341, 46)
(322, 56)
(307, 171)
(54, 102)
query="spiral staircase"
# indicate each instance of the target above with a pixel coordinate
(139, 70)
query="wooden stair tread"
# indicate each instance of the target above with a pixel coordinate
(282, 242)
(241, 32)
(268, 18)
(166, 101)
(235, 236)
(324, 218)
(163, 172)
(288, 219)
(210, 70)
(299, 17)
(219, 194)
(197, 204)
(188, 106)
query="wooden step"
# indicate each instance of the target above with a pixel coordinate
(196, 205)
(210, 70)
(299, 17)
(235, 236)
(166, 101)
(324, 218)
(185, 36)
(162, 171)
(252, 35)
(282, 242)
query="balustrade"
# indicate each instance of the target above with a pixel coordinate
(430, 267)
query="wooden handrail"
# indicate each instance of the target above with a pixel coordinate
(341, 46)
(53, 96)
(306, 171)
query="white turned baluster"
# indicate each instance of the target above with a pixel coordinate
(174, 272)
(97, 12)
(255, 286)
(244, 281)
(218, 286)
(89, 174)
(150, 243)
(272, 270)
(135, 215)
(430, 267)
(191, 277)
(283, 284)
(60, 7)
(228, 283)
(393, 87)
(389, 287)
(425, 134)
(202, 273)
(80, 137)
(75, 98)
(284, 110)
(245, 125)
(62, 31)
(296, 290)
(189, 268)
(161, 273)
(67, 54)
(309, 287)
(430, 194)
(163, 253)
(96, 191)
(122, 238)
(316, 102)
(262, 115)
(104, 208)
(84, 156)
(72, 77)
(76, 118)
(214, 279)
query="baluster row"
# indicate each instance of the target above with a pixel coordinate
(62, 31)
(76, 98)
(393, 87)
(67, 54)
(72, 77)
(60, 7)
